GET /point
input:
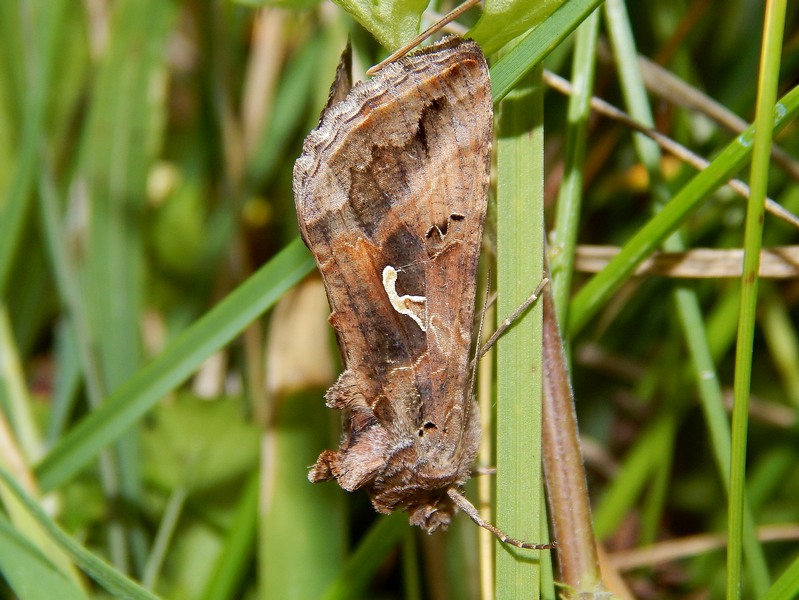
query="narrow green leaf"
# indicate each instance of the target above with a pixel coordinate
(40, 37)
(564, 237)
(392, 22)
(354, 577)
(536, 45)
(503, 20)
(787, 586)
(119, 145)
(768, 82)
(313, 516)
(520, 180)
(237, 553)
(28, 572)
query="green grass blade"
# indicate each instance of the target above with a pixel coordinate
(312, 516)
(564, 238)
(119, 144)
(787, 586)
(635, 96)
(358, 571)
(41, 38)
(28, 572)
(271, 147)
(753, 241)
(520, 177)
(233, 561)
(536, 45)
(174, 365)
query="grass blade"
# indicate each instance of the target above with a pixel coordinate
(753, 241)
(520, 245)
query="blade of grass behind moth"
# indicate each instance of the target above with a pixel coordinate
(783, 341)
(236, 555)
(36, 49)
(768, 82)
(597, 291)
(174, 365)
(76, 332)
(520, 243)
(16, 402)
(301, 72)
(787, 586)
(118, 147)
(360, 568)
(536, 45)
(564, 238)
(635, 97)
(313, 517)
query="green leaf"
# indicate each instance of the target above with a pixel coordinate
(197, 444)
(312, 516)
(787, 586)
(355, 575)
(508, 71)
(503, 20)
(392, 22)
(520, 227)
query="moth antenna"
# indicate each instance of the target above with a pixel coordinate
(467, 507)
(408, 265)
(503, 327)
(440, 24)
(476, 358)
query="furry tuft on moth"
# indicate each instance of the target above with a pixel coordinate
(391, 194)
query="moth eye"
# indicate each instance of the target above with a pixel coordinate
(457, 217)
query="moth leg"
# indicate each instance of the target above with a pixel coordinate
(510, 319)
(462, 503)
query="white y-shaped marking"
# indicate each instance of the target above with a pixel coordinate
(404, 305)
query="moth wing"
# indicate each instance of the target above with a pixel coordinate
(396, 175)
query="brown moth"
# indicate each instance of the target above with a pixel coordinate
(391, 192)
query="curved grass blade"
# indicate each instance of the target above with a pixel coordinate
(536, 45)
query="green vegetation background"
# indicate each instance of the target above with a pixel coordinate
(163, 344)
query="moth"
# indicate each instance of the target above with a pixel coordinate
(391, 193)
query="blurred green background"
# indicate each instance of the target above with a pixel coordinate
(146, 154)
